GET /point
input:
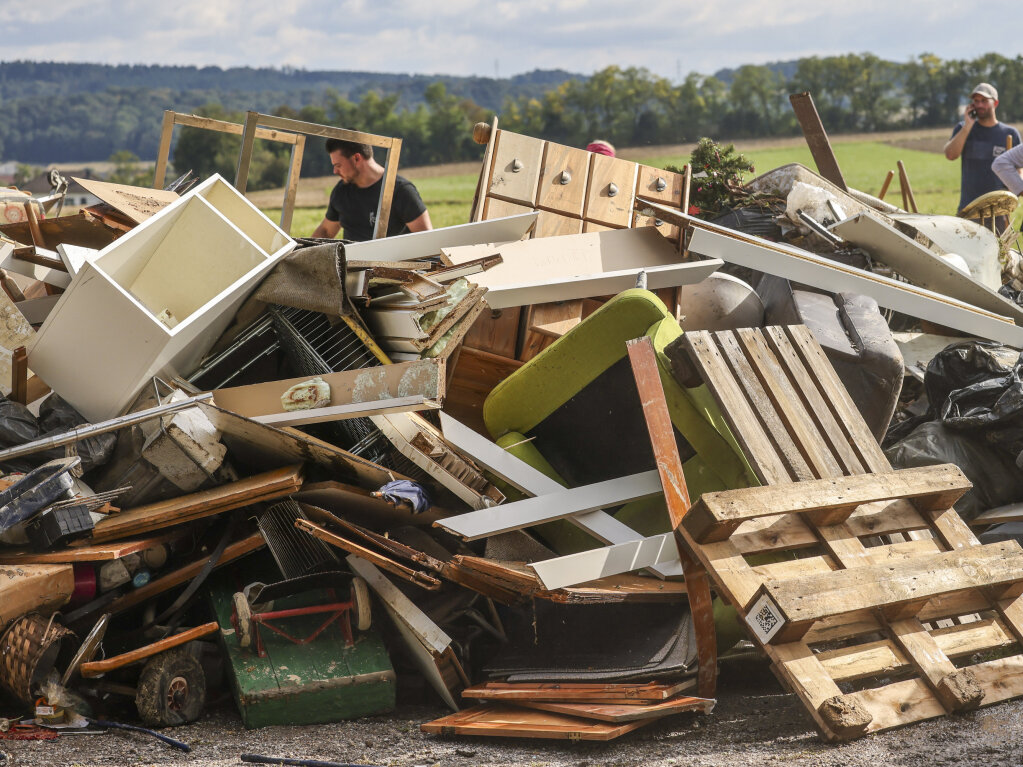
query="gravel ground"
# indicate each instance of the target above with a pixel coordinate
(754, 723)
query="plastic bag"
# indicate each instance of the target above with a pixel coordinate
(18, 426)
(996, 480)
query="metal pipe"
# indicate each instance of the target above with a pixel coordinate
(90, 430)
(260, 759)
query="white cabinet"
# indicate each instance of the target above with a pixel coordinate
(156, 299)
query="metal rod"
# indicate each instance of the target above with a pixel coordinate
(90, 430)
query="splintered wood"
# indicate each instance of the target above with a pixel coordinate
(849, 620)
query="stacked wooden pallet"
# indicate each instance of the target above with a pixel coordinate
(869, 632)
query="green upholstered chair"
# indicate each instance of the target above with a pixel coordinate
(573, 413)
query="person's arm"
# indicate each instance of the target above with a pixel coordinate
(955, 145)
(420, 224)
(1008, 166)
(327, 230)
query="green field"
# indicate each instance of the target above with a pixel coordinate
(934, 180)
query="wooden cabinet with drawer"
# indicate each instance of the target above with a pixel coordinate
(516, 168)
(610, 194)
(563, 180)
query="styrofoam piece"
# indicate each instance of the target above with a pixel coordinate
(408, 247)
(156, 298)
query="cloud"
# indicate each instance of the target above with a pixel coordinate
(468, 36)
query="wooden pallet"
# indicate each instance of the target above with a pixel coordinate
(868, 634)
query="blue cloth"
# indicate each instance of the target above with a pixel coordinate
(982, 146)
(410, 492)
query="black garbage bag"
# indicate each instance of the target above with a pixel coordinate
(996, 479)
(977, 387)
(19, 426)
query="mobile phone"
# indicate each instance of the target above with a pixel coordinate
(973, 113)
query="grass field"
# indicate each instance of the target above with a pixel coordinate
(934, 180)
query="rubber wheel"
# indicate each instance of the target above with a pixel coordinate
(172, 689)
(244, 615)
(361, 604)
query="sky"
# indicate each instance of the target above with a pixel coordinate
(499, 37)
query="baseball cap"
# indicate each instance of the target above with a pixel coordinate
(986, 89)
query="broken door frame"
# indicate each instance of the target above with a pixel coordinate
(297, 142)
(287, 131)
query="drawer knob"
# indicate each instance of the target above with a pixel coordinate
(658, 222)
(660, 185)
(612, 189)
(516, 165)
(564, 178)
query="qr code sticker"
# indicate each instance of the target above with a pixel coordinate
(766, 619)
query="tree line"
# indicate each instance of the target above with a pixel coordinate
(627, 106)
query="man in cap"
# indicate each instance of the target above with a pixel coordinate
(979, 138)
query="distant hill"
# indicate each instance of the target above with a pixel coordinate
(60, 112)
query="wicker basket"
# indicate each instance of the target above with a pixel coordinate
(28, 652)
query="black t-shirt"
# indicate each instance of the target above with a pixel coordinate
(355, 208)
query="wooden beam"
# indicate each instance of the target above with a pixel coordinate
(898, 592)
(154, 516)
(817, 138)
(825, 501)
(96, 668)
(676, 494)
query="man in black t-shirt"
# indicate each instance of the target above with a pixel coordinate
(353, 202)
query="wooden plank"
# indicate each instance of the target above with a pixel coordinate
(818, 403)
(33, 588)
(182, 575)
(817, 138)
(418, 577)
(756, 443)
(787, 402)
(563, 503)
(609, 713)
(623, 693)
(876, 586)
(234, 495)
(825, 501)
(515, 722)
(768, 405)
(423, 378)
(88, 552)
(819, 367)
(883, 657)
(645, 371)
(92, 669)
